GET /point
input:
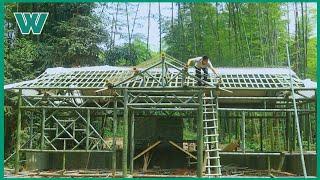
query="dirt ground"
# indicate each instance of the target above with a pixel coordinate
(227, 171)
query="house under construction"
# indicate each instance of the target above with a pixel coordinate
(67, 111)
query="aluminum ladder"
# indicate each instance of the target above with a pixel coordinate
(211, 136)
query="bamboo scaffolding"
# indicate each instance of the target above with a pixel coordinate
(168, 89)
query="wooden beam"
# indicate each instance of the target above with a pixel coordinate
(146, 150)
(181, 149)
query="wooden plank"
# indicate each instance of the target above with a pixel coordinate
(181, 149)
(146, 150)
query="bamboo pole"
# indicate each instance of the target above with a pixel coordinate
(125, 135)
(163, 71)
(264, 110)
(282, 158)
(18, 132)
(88, 129)
(114, 147)
(294, 136)
(308, 128)
(31, 132)
(296, 117)
(261, 134)
(269, 165)
(200, 135)
(243, 132)
(64, 151)
(237, 128)
(131, 142)
(288, 130)
(43, 122)
(64, 156)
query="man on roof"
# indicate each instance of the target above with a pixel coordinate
(202, 63)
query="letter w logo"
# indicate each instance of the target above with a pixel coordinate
(31, 21)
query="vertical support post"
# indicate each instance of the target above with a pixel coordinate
(163, 71)
(183, 80)
(278, 135)
(31, 132)
(303, 119)
(272, 133)
(18, 132)
(131, 142)
(294, 139)
(114, 146)
(308, 131)
(288, 129)
(43, 122)
(64, 157)
(125, 135)
(64, 161)
(296, 117)
(282, 158)
(269, 166)
(88, 129)
(87, 139)
(200, 135)
(243, 132)
(143, 80)
(229, 127)
(261, 134)
(237, 128)
(284, 133)
(160, 33)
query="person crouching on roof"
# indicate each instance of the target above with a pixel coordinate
(202, 63)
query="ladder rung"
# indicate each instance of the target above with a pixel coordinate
(205, 98)
(208, 120)
(211, 135)
(50, 129)
(212, 166)
(213, 157)
(212, 127)
(212, 150)
(211, 142)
